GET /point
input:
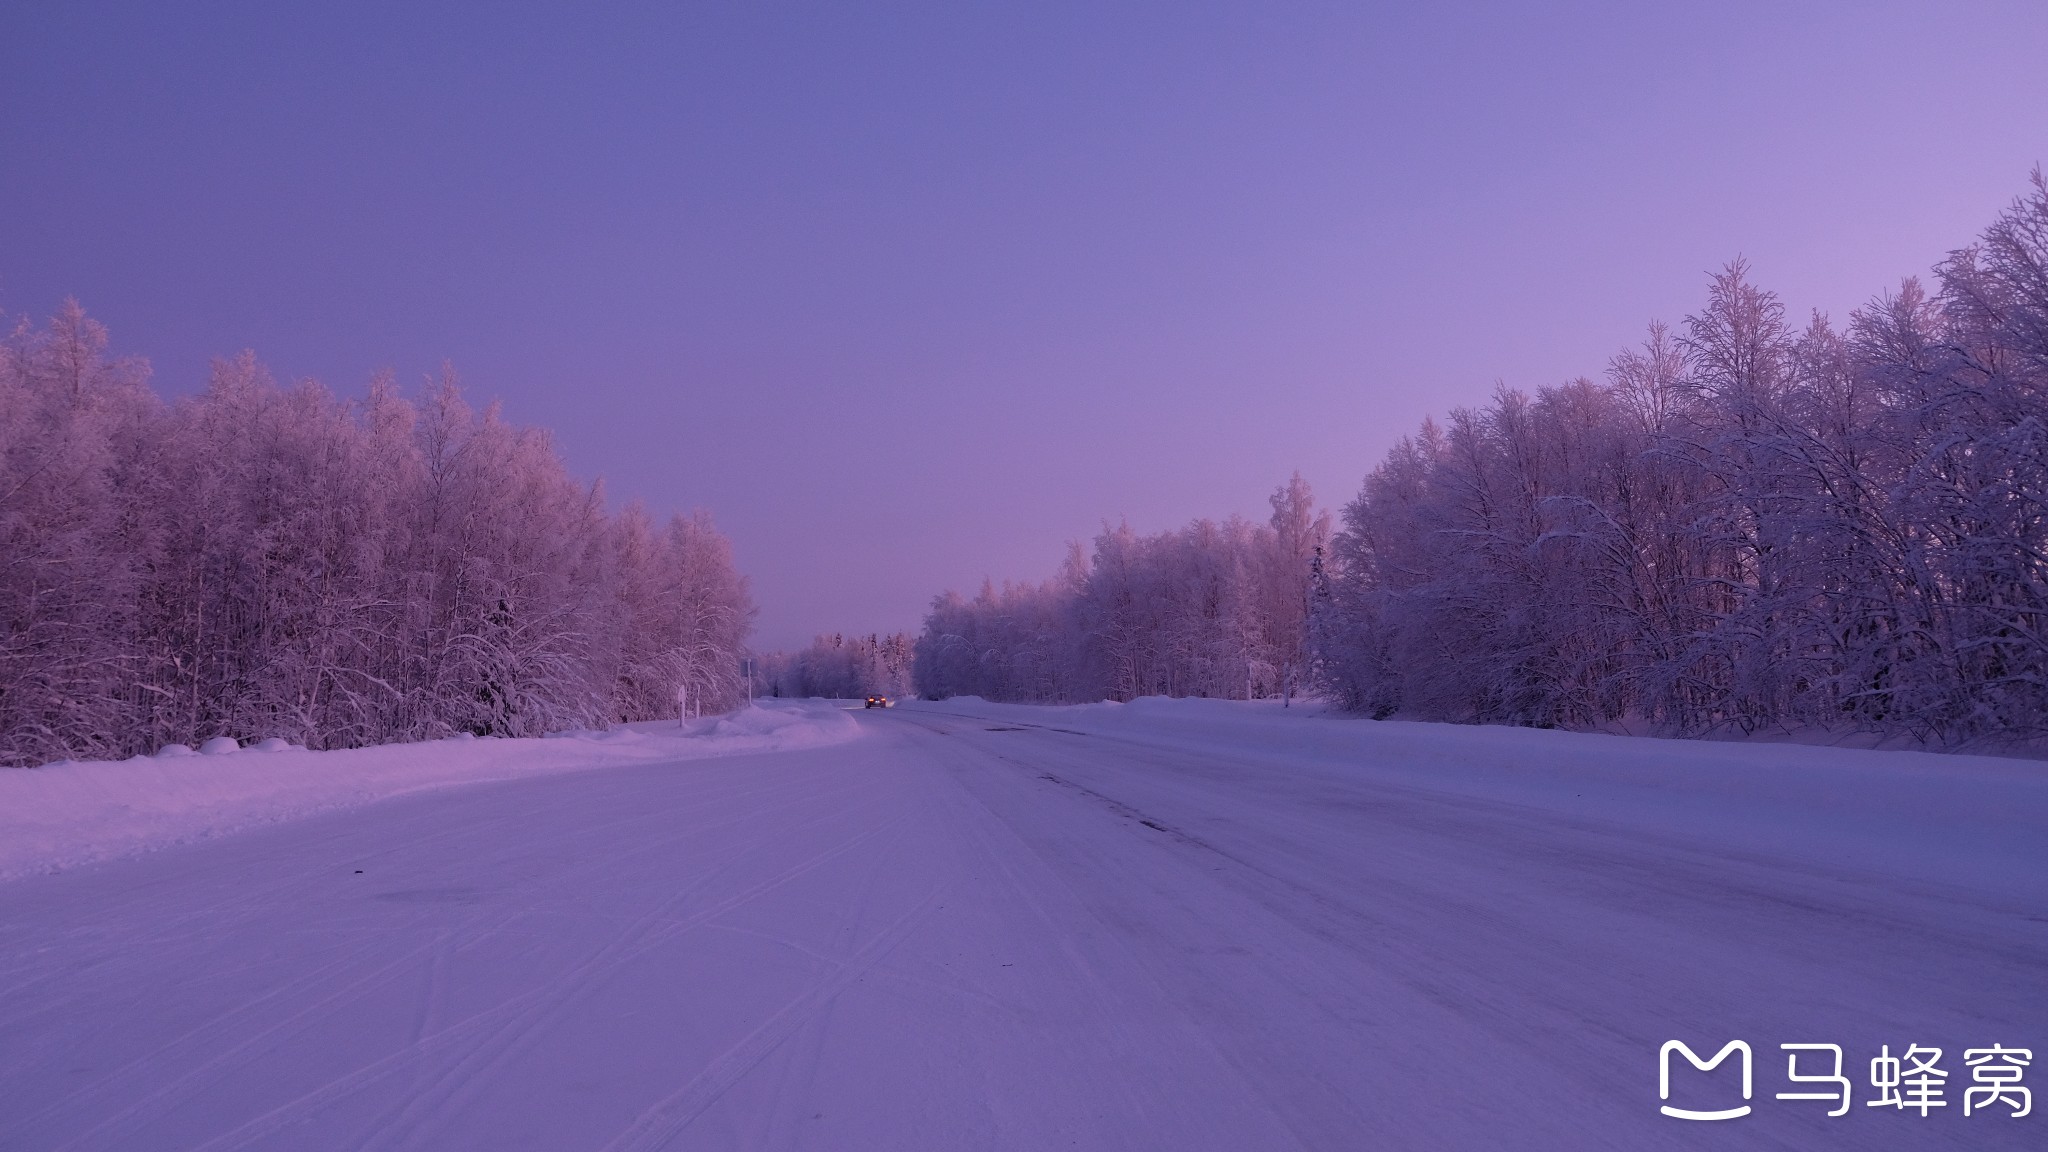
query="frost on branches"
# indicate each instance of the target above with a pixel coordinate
(1212, 609)
(838, 666)
(261, 561)
(1747, 525)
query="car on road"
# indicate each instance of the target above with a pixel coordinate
(880, 702)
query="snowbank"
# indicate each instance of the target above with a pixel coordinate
(76, 812)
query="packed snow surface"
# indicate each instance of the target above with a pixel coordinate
(1161, 925)
(75, 812)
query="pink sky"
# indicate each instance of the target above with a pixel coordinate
(911, 296)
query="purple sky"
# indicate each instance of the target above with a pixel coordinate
(911, 295)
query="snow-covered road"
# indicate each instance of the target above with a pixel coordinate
(989, 927)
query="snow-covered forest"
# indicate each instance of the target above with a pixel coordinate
(1748, 522)
(1211, 609)
(838, 667)
(266, 561)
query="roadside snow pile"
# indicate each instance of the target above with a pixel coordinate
(784, 728)
(76, 812)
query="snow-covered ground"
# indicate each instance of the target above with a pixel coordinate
(80, 811)
(1926, 815)
(1174, 925)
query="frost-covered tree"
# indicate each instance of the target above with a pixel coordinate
(261, 561)
(74, 546)
(1216, 608)
(1747, 525)
(840, 667)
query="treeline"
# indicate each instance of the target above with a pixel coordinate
(1212, 609)
(1746, 524)
(266, 561)
(839, 667)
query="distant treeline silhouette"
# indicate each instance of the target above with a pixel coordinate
(259, 561)
(1212, 609)
(838, 666)
(1746, 525)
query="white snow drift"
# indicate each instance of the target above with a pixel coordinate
(77, 812)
